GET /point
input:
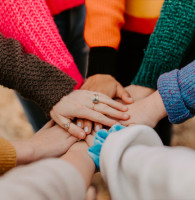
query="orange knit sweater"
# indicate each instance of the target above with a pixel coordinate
(106, 18)
(7, 156)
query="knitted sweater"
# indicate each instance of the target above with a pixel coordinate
(7, 156)
(173, 34)
(104, 21)
(31, 23)
(57, 6)
(177, 89)
(167, 45)
(32, 78)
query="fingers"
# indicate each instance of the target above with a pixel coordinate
(90, 139)
(112, 103)
(123, 94)
(106, 110)
(92, 115)
(97, 127)
(73, 129)
(79, 122)
(87, 126)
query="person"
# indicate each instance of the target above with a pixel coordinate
(127, 174)
(170, 46)
(32, 24)
(52, 90)
(65, 177)
(142, 167)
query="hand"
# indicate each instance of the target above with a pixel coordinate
(106, 84)
(50, 141)
(138, 92)
(80, 104)
(148, 111)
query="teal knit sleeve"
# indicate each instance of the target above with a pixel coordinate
(173, 34)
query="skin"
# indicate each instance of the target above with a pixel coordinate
(50, 141)
(109, 86)
(149, 111)
(79, 104)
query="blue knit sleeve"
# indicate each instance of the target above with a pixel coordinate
(177, 89)
(99, 139)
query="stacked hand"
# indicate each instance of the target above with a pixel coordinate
(89, 105)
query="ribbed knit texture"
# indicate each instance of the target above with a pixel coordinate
(172, 35)
(32, 78)
(7, 156)
(31, 22)
(57, 6)
(177, 89)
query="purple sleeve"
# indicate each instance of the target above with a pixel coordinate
(177, 89)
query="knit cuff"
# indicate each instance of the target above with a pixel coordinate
(171, 95)
(99, 139)
(7, 156)
(102, 60)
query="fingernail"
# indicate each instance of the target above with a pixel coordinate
(86, 129)
(97, 128)
(117, 123)
(79, 124)
(126, 116)
(82, 134)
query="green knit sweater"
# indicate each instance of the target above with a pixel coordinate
(172, 36)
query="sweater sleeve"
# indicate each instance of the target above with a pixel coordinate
(177, 89)
(43, 180)
(32, 78)
(104, 20)
(7, 156)
(31, 23)
(173, 34)
(135, 165)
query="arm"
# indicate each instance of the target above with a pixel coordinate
(167, 45)
(32, 78)
(175, 97)
(31, 23)
(104, 20)
(141, 168)
(50, 141)
(45, 179)
(177, 90)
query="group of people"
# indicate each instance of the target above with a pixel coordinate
(101, 82)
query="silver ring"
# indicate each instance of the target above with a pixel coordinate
(96, 99)
(67, 126)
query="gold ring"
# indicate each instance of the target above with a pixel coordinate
(67, 126)
(96, 99)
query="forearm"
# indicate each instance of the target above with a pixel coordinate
(79, 158)
(104, 19)
(46, 179)
(32, 78)
(177, 89)
(168, 43)
(24, 22)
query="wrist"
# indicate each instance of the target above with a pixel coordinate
(78, 157)
(24, 152)
(157, 106)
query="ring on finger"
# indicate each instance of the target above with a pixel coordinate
(67, 126)
(96, 99)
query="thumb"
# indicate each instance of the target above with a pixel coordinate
(123, 94)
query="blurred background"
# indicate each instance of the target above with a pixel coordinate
(14, 126)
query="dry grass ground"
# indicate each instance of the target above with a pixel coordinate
(14, 125)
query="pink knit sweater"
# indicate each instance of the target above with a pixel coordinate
(31, 22)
